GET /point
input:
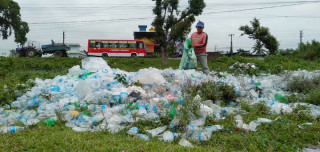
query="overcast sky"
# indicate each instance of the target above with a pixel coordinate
(118, 19)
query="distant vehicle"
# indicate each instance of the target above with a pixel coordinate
(58, 49)
(116, 48)
(31, 50)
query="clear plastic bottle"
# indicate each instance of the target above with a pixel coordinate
(80, 129)
(11, 129)
(156, 131)
(238, 121)
(203, 135)
(168, 136)
(133, 131)
(144, 137)
(69, 115)
(185, 143)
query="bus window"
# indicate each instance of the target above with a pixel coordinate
(98, 45)
(92, 44)
(114, 45)
(140, 45)
(132, 44)
(105, 44)
(123, 44)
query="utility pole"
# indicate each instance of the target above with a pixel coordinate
(231, 47)
(215, 48)
(63, 37)
(301, 35)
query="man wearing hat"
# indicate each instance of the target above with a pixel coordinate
(199, 43)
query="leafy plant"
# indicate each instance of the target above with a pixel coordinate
(122, 78)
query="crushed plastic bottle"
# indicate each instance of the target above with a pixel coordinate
(156, 131)
(80, 129)
(49, 122)
(11, 129)
(203, 135)
(185, 143)
(281, 98)
(168, 136)
(238, 121)
(144, 137)
(133, 131)
(69, 115)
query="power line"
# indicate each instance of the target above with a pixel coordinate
(259, 8)
(142, 18)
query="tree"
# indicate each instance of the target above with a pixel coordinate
(258, 48)
(243, 52)
(171, 24)
(261, 35)
(10, 20)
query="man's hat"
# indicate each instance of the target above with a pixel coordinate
(200, 24)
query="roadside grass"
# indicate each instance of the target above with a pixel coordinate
(281, 135)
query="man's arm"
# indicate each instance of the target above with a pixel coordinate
(204, 43)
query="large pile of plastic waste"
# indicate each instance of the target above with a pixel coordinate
(95, 97)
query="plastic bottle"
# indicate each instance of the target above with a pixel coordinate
(12, 129)
(203, 135)
(156, 131)
(142, 110)
(144, 137)
(281, 98)
(133, 131)
(55, 88)
(238, 121)
(185, 143)
(168, 136)
(174, 124)
(49, 122)
(79, 129)
(69, 115)
(212, 128)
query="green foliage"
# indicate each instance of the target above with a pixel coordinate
(173, 23)
(10, 20)
(313, 97)
(122, 78)
(213, 91)
(227, 92)
(257, 48)
(310, 51)
(308, 86)
(261, 35)
(302, 84)
(243, 53)
(285, 51)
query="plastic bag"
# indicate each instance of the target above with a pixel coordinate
(189, 58)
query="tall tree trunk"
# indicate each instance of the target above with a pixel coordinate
(164, 55)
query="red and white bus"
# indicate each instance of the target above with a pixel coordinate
(116, 48)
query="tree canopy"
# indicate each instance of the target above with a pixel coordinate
(10, 20)
(171, 24)
(261, 35)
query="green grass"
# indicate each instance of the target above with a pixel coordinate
(279, 136)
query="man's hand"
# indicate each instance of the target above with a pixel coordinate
(192, 45)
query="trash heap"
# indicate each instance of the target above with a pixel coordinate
(242, 66)
(95, 97)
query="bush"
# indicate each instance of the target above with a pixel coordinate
(214, 91)
(309, 51)
(301, 84)
(313, 97)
